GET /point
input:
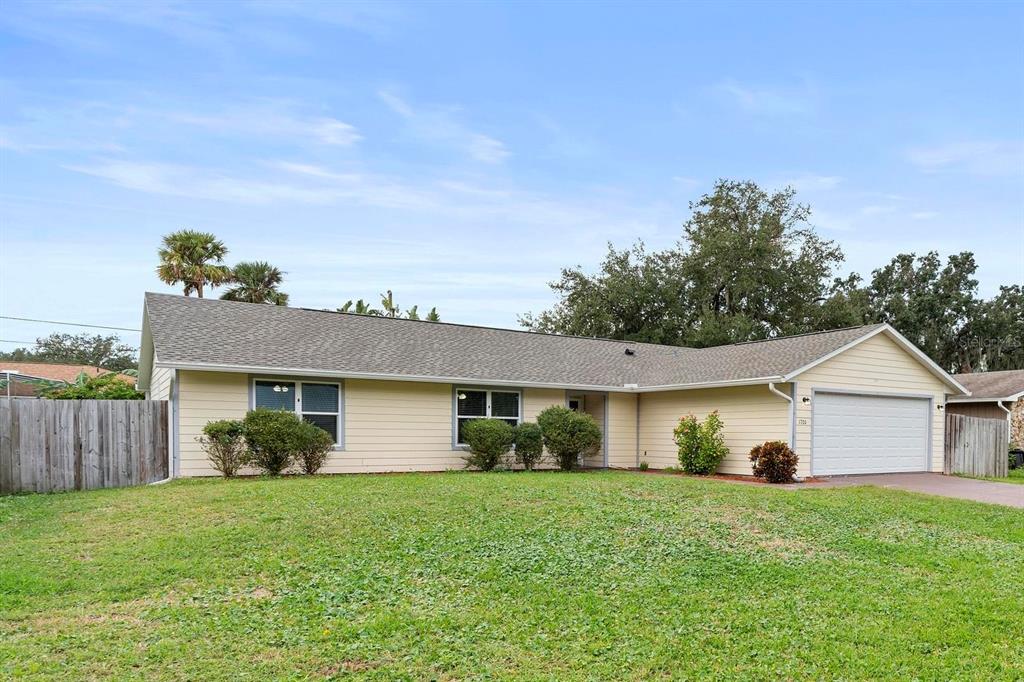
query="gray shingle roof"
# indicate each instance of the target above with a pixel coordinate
(191, 331)
(992, 384)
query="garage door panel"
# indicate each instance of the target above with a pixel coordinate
(866, 434)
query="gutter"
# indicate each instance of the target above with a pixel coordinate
(298, 371)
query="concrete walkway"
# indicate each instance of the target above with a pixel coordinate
(993, 492)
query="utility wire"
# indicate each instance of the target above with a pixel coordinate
(69, 324)
(12, 341)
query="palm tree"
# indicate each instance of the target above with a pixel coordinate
(186, 258)
(256, 282)
(412, 313)
(361, 308)
(432, 316)
(388, 303)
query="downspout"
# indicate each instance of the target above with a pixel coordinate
(792, 414)
(1009, 421)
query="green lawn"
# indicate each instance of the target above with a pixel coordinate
(496, 576)
(1014, 476)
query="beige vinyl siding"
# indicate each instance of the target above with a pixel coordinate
(535, 400)
(594, 405)
(878, 365)
(160, 384)
(982, 410)
(622, 429)
(204, 397)
(750, 414)
(396, 426)
(388, 425)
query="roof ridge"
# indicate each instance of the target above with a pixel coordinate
(405, 319)
(797, 336)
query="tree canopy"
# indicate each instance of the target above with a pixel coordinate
(256, 282)
(750, 266)
(194, 259)
(78, 349)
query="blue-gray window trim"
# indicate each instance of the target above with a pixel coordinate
(471, 387)
(253, 378)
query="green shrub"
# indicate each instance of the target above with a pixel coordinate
(224, 444)
(489, 441)
(644, 465)
(774, 461)
(104, 387)
(312, 447)
(529, 444)
(273, 437)
(701, 446)
(568, 435)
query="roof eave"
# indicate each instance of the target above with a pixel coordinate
(983, 399)
(312, 372)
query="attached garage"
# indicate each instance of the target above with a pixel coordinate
(858, 433)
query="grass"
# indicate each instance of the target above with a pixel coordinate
(496, 576)
(1014, 476)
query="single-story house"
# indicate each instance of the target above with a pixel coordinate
(395, 393)
(994, 395)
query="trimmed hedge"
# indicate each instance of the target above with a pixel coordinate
(489, 441)
(568, 435)
(224, 444)
(529, 444)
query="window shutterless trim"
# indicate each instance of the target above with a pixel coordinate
(298, 382)
(456, 445)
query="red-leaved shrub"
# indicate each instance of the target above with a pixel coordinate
(774, 462)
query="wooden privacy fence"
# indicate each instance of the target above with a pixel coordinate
(976, 446)
(54, 445)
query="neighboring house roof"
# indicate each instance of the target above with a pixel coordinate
(992, 386)
(193, 333)
(56, 371)
(22, 383)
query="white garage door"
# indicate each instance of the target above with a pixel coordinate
(867, 434)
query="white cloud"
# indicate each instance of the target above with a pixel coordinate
(271, 119)
(441, 126)
(487, 149)
(802, 99)
(985, 157)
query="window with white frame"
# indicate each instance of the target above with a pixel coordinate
(479, 403)
(316, 402)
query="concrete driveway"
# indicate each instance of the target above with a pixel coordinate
(993, 492)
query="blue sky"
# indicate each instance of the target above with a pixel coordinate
(461, 154)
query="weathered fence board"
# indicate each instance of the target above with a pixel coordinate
(55, 445)
(976, 446)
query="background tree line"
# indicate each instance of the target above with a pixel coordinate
(749, 266)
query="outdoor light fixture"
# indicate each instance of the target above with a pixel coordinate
(938, 407)
(805, 400)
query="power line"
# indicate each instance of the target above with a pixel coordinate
(68, 324)
(12, 341)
